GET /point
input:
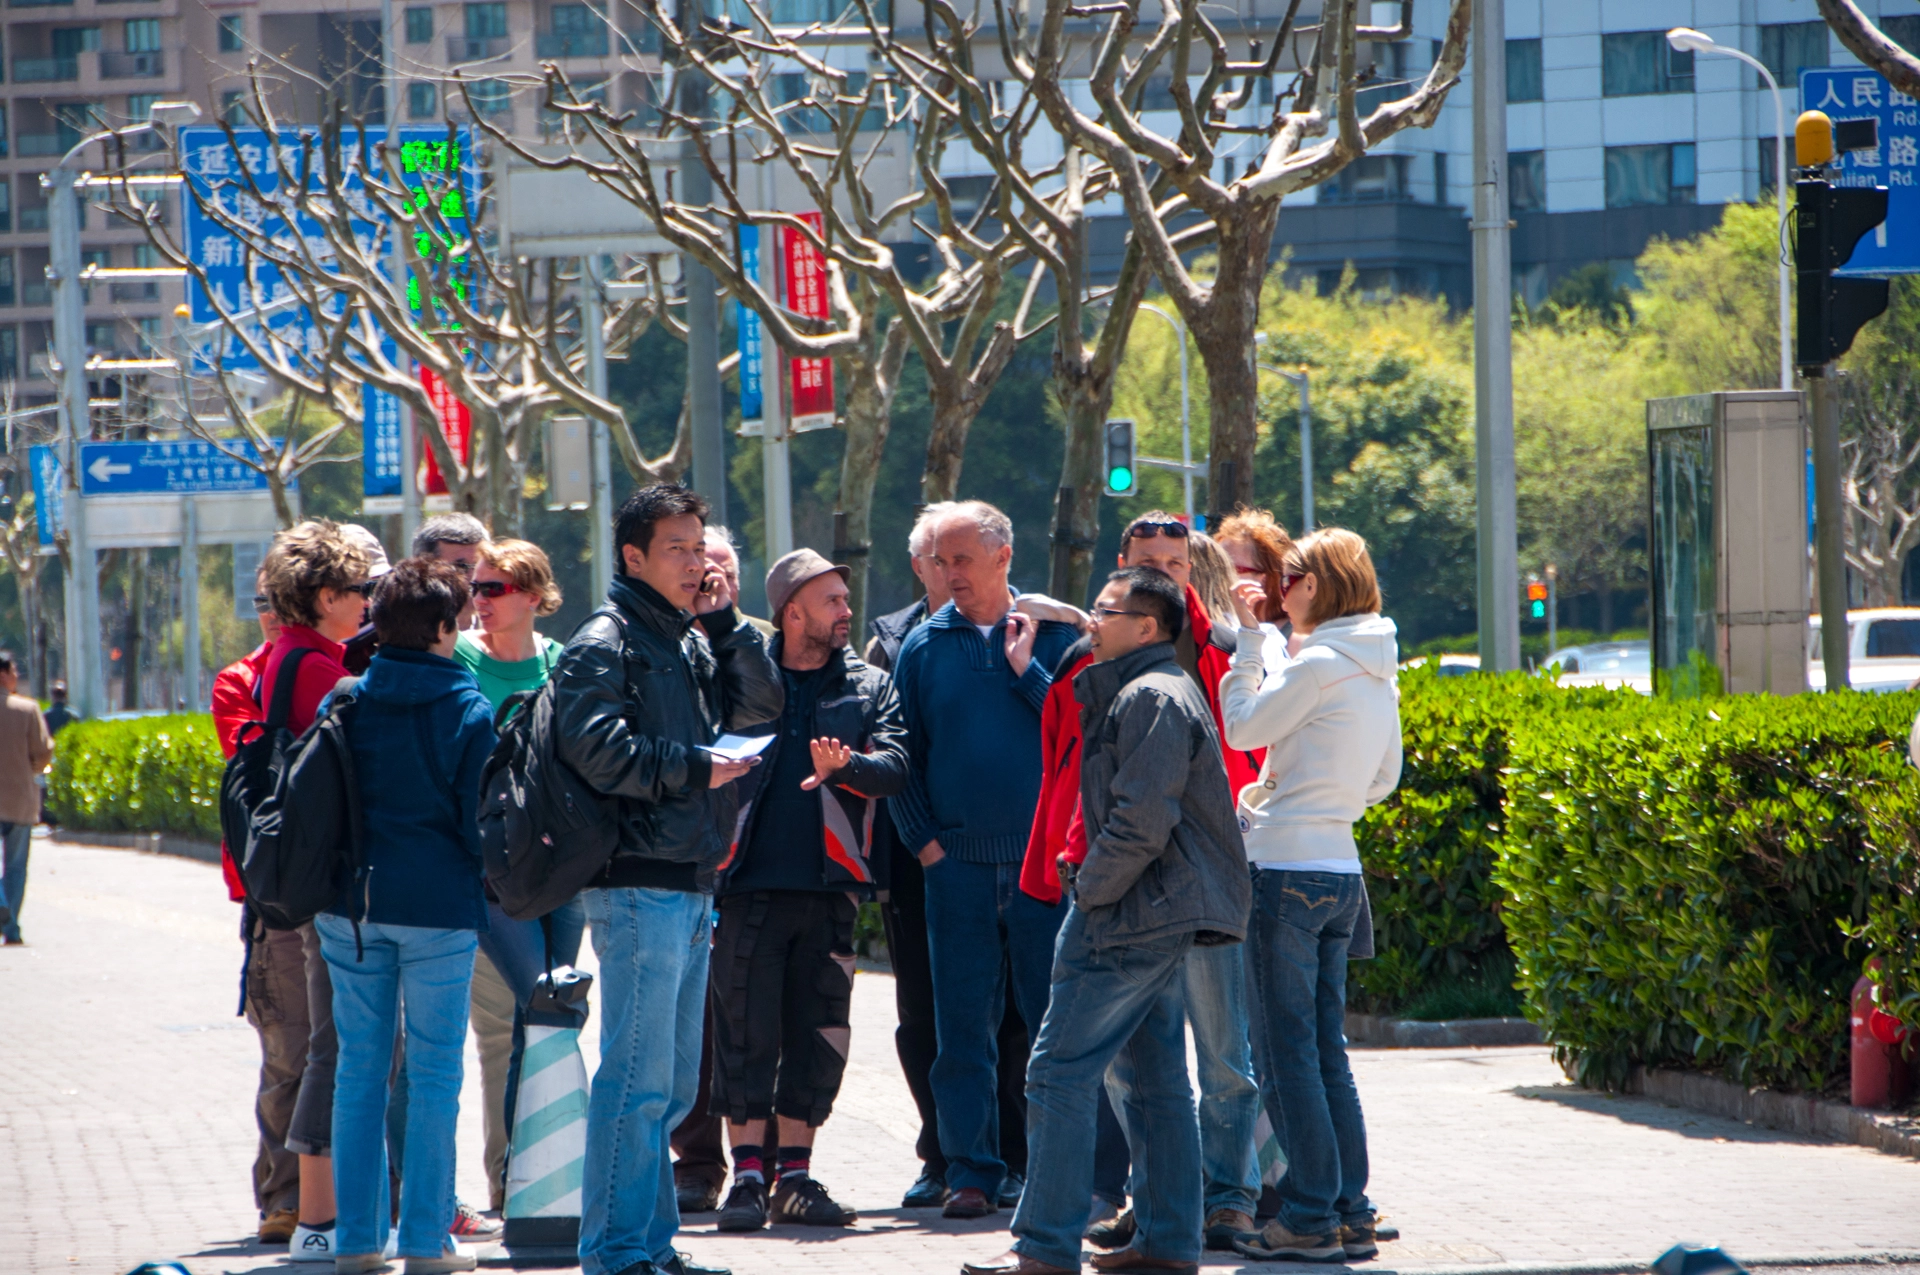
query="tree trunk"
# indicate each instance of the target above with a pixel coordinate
(136, 621)
(957, 399)
(36, 644)
(1606, 610)
(282, 502)
(872, 383)
(1087, 398)
(1223, 329)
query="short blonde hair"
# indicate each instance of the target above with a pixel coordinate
(1213, 575)
(526, 564)
(1343, 571)
(306, 558)
(1271, 544)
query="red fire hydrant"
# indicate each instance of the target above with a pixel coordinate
(1880, 1075)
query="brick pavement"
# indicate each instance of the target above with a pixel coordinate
(126, 1128)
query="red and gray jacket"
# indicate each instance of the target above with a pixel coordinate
(856, 705)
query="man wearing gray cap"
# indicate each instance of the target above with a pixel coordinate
(782, 971)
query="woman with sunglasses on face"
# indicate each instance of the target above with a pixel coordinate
(1330, 721)
(1257, 546)
(512, 588)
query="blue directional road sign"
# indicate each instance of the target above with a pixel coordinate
(49, 492)
(144, 469)
(1854, 93)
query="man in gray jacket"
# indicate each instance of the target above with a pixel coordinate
(1165, 870)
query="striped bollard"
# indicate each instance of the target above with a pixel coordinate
(547, 1153)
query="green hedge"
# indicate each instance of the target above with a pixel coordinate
(144, 774)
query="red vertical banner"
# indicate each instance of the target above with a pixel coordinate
(456, 422)
(805, 285)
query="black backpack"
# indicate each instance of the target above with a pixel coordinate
(249, 776)
(545, 833)
(301, 845)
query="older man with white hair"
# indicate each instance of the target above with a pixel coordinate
(972, 681)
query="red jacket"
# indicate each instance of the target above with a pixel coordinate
(1057, 828)
(233, 707)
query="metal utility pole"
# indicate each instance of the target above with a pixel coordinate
(1498, 540)
(1186, 410)
(1553, 609)
(190, 602)
(775, 438)
(397, 279)
(1829, 555)
(703, 323)
(85, 687)
(600, 510)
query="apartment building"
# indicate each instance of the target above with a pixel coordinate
(72, 67)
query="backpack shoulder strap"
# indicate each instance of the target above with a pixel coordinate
(289, 672)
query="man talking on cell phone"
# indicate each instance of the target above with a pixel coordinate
(645, 686)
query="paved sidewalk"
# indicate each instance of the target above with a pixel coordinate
(126, 1128)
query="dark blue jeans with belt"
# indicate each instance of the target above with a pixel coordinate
(1302, 926)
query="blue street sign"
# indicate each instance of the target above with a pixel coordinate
(1855, 93)
(747, 323)
(380, 451)
(49, 492)
(125, 469)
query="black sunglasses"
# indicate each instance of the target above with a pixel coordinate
(364, 588)
(262, 603)
(1143, 529)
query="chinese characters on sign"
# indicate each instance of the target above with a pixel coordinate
(806, 293)
(1852, 93)
(380, 452)
(747, 324)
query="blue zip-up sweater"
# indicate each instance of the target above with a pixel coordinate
(420, 733)
(973, 736)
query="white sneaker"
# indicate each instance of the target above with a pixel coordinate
(310, 1245)
(360, 1263)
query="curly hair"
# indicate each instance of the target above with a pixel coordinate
(526, 564)
(1271, 544)
(306, 558)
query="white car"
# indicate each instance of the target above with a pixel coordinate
(1618, 665)
(1883, 650)
(1450, 665)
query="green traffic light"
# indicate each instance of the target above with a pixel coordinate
(1539, 610)
(1119, 478)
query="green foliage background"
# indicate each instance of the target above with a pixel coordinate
(143, 774)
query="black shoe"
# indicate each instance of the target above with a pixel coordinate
(746, 1207)
(798, 1198)
(697, 1196)
(929, 1191)
(1115, 1232)
(638, 1268)
(1010, 1188)
(681, 1264)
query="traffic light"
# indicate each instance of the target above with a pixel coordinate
(1828, 222)
(1536, 599)
(1122, 476)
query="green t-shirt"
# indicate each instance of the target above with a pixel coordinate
(500, 678)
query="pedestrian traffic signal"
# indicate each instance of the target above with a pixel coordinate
(1122, 477)
(1537, 599)
(1828, 222)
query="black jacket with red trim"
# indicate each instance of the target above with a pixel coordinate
(856, 705)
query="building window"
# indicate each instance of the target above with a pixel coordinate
(1638, 176)
(151, 340)
(6, 278)
(1905, 32)
(147, 257)
(1636, 63)
(103, 338)
(1371, 179)
(71, 42)
(491, 97)
(487, 21)
(6, 205)
(9, 352)
(3, 145)
(1785, 47)
(1769, 161)
(1526, 181)
(1440, 182)
(423, 100)
(419, 25)
(143, 35)
(233, 32)
(1523, 71)
(140, 106)
(233, 107)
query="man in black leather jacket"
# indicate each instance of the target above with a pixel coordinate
(644, 686)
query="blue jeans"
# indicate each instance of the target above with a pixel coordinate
(652, 946)
(15, 840)
(1302, 924)
(519, 950)
(1120, 1007)
(1216, 992)
(979, 923)
(433, 969)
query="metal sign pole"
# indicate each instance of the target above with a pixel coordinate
(1498, 540)
(600, 511)
(76, 427)
(190, 602)
(775, 380)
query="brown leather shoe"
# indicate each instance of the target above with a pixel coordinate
(1012, 1263)
(1223, 1226)
(277, 1226)
(969, 1201)
(1127, 1261)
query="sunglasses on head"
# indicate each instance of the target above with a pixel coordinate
(1143, 529)
(494, 588)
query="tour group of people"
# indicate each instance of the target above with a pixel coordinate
(1086, 832)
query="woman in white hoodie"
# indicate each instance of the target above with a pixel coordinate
(1329, 719)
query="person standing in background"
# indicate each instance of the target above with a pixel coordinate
(59, 714)
(513, 587)
(454, 538)
(26, 747)
(275, 976)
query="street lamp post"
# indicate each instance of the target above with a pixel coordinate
(1687, 40)
(1186, 409)
(1300, 380)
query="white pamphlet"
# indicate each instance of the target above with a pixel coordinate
(738, 747)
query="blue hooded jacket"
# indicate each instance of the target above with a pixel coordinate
(420, 734)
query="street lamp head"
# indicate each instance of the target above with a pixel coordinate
(1687, 40)
(172, 114)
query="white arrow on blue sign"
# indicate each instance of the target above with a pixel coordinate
(1855, 93)
(127, 469)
